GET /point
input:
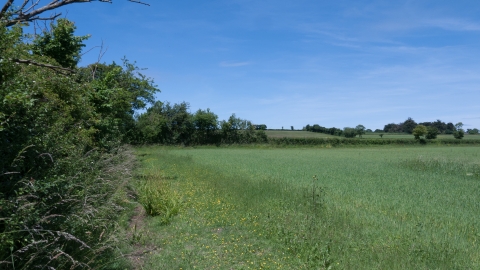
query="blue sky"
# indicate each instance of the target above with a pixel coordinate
(293, 63)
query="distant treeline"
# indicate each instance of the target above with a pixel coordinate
(408, 125)
(164, 123)
(339, 142)
(404, 127)
(325, 130)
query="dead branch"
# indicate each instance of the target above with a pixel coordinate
(23, 14)
(5, 8)
(30, 62)
(139, 2)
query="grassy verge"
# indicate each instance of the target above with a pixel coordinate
(395, 208)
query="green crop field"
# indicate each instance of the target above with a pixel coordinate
(409, 136)
(308, 134)
(300, 208)
(296, 134)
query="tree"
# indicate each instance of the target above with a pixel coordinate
(392, 127)
(237, 130)
(60, 44)
(473, 131)
(117, 91)
(459, 134)
(349, 132)
(11, 14)
(360, 130)
(418, 131)
(17, 16)
(458, 125)
(291, 127)
(54, 198)
(206, 123)
(450, 128)
(432, 132)
(409, 125)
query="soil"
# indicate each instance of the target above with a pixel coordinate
(137, 233)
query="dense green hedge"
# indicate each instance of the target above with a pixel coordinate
(59, 160)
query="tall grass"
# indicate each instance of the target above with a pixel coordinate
(157, 196)
(60, 221)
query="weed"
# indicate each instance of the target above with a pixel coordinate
(158, 199)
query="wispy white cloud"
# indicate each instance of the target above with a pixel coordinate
(449, 24)
(453, 24)
(234, 64)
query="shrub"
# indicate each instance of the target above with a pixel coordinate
(349, 132)
(59, 139)
(459, 134)
(432, 132)
(418, 131)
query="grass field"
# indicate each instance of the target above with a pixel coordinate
(308, 134)
(409, 136)
(349, 208)
(296, 134)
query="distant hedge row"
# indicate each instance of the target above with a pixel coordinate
(335, 142)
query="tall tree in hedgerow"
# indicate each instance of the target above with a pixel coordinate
(360, 130)
(409, 125)
(60, 44)
(432, 132)
(459, 133)
(419, 131)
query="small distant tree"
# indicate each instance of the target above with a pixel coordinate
(360, 130)
(459, 125)
(409, 125)
(418, 131)
(282, 128)
(381, 135)
(392, 127)
(316, 128)
(369, 131)
(459, 134)
(261, 127)
(432, 132)
(292, 127)
(450, 128)
(473, 131)
(349, 132)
